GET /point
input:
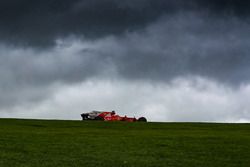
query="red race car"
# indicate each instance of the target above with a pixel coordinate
(109, 116)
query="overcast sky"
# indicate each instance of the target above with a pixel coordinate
(167, 60)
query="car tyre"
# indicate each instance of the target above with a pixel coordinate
(142, 119)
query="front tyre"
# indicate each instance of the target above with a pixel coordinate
(142, 119)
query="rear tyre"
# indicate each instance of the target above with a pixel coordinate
(84, 116)
(142, 119)
(98, 118)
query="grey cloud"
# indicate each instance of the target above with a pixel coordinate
(149, 42)
(183, 99)
(30, 76)
(186, 44)
(39, 23)
(180, 45)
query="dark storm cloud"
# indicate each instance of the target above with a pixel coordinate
(40, 22)
(58, 55)
(133, 39)
(185, 44)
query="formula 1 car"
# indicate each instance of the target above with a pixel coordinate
(109, 116)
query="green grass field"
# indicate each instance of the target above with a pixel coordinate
(41, 143)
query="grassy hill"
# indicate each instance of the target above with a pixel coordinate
(41, 143)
